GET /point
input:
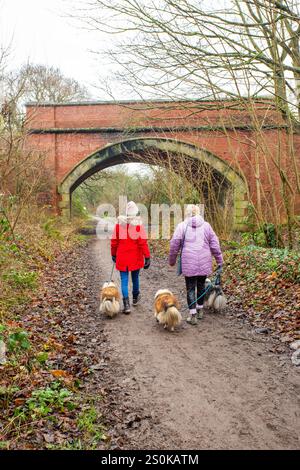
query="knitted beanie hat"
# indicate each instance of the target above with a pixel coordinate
(132, 209)
(192, 210)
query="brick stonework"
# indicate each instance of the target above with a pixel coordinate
(218, 132)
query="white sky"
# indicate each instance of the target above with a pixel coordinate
(40, 32)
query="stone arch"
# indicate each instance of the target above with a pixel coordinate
(120, 152)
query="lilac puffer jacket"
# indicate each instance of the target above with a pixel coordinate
(200, 244)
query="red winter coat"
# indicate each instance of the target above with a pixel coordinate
(129, 245)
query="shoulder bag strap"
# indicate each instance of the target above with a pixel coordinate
(182, 243)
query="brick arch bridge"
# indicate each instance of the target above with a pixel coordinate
(79, 139)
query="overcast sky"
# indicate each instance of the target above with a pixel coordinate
(41, 33)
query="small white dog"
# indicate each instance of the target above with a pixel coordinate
(215, 297)
(109, 299)
(166, 309)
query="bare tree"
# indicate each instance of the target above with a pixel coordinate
(239, 50)
(39, 83)
(185, 46)
(22, 173)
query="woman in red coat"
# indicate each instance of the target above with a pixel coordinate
(130, 252)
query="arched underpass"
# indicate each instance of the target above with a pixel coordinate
(226, 180)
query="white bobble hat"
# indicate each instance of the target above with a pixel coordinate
(132, 209)
(192, 210)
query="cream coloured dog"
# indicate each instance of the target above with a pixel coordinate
(109, 299)
(166, 309)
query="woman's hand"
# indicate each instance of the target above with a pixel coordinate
(147, 263)
(114, 258)
(219, 269)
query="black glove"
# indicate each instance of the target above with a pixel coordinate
(147, 263)
(114, 258)
(219, 269)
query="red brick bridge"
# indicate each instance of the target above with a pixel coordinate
(238, 142)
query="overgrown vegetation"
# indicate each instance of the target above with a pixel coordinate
(265, 283)
(37, 398)
(34, 392)
(31, 390)
(25, 253)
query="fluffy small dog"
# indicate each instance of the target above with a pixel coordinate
(109, 299)
(166, 309)
(215, 297)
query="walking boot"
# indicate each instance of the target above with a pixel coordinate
(136, 299)
(200, 313)
(126, 304)
(192, 320)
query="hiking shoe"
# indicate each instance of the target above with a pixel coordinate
(136, 299)
(200, 313)
(192, 320)
(126, 304)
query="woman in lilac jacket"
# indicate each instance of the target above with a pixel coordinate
(200, 244)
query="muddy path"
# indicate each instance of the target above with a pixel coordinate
(214, 386)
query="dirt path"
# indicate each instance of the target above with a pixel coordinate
(216, 385)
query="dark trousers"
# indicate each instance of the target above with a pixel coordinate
(195, 287)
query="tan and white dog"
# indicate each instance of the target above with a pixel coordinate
(109, 299)
(166, 309)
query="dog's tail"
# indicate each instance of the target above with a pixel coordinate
(209, 302)
(220, 302)
(110, 307)
(170, 315)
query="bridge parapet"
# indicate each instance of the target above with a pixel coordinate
(131, 116)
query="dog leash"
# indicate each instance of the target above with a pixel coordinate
(200, 296)
(211, 285)
(112, 270)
